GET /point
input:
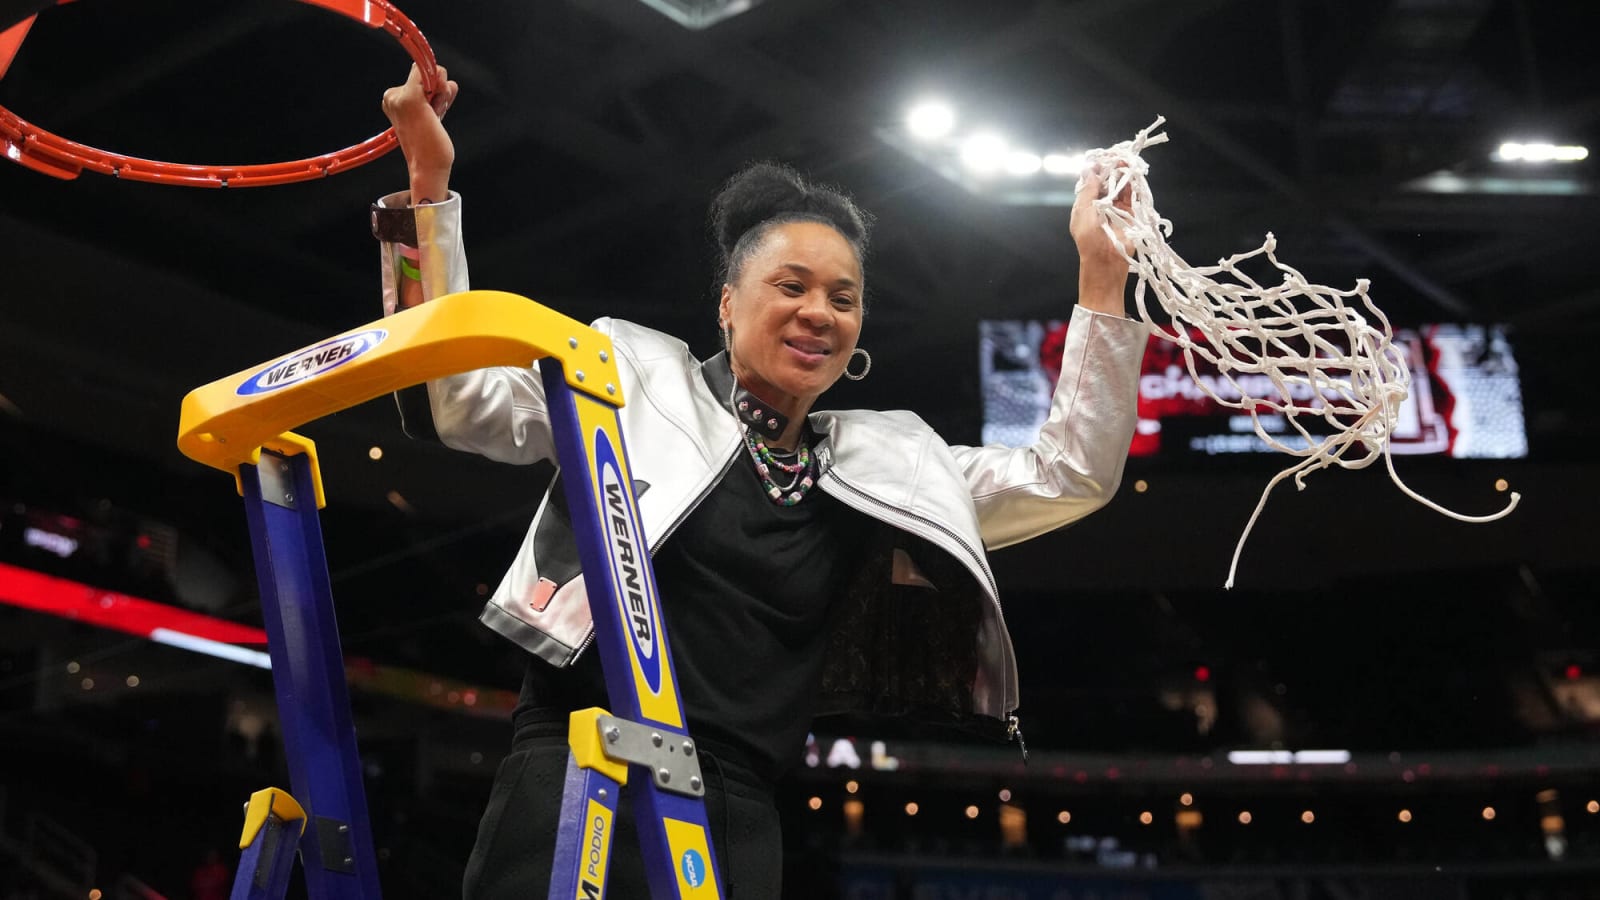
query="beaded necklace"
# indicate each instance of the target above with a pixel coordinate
(800, 471)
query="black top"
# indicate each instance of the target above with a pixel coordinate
(746, 586)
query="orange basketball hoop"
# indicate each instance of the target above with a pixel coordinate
(42, 151)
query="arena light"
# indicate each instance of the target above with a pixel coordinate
(218, 649)
(1540, 152)
(700, 14)
(981, 159)
(1063, 165)
(67, 599)
(984, 153)
(1322, 757)
(931, 120)
(1022, 163)
(1522, 185)
(1286, 757)
(209, 635)
(1260, 757)
(49, 541)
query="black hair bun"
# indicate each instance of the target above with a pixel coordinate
(764, 191)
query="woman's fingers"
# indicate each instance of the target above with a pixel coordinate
(416, 118)
(1092, 186)
(405, 99)
(445, 96)
(1124, 200)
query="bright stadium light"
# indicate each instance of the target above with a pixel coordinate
(1322, 757)
(698, 14)
(984, 153)
(1062, 164)
(982, 159)
(1286, 757)
(1023, 163)
(931, 120)
(1538, 152)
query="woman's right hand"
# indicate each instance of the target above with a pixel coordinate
(425, 144)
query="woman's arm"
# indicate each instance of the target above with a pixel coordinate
(430, 155)
(498, 412)
(1074, 466)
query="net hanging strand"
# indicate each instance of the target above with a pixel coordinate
(1321, 357)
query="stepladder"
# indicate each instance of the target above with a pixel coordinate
(243, 424)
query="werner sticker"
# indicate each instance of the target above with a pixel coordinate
(635, 597)
(311, 362)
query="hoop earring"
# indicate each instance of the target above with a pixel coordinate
(854, 376)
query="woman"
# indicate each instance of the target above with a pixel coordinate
(809, 562)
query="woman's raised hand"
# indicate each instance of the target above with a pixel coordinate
(1102, 270)
(425, 144)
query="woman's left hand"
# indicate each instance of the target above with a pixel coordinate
(1102, 270)
(417, 121)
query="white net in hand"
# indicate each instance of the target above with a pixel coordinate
(1293, 350)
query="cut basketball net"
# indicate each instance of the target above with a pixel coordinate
(1293, 350)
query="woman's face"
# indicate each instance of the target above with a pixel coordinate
(794, 314)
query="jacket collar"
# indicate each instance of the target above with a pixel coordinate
(717, 374)
(745, 406)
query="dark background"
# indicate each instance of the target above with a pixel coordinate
(590, 136)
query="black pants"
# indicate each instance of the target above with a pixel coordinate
(515, 849)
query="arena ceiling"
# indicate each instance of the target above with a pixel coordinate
(591, 134)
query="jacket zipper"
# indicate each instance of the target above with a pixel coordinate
(1014, 733)
(1013, 723)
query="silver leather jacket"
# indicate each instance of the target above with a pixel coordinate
(888, 465)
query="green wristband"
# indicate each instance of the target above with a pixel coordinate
(409, 270)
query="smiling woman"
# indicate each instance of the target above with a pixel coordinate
(808, 562)
(791, 303)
